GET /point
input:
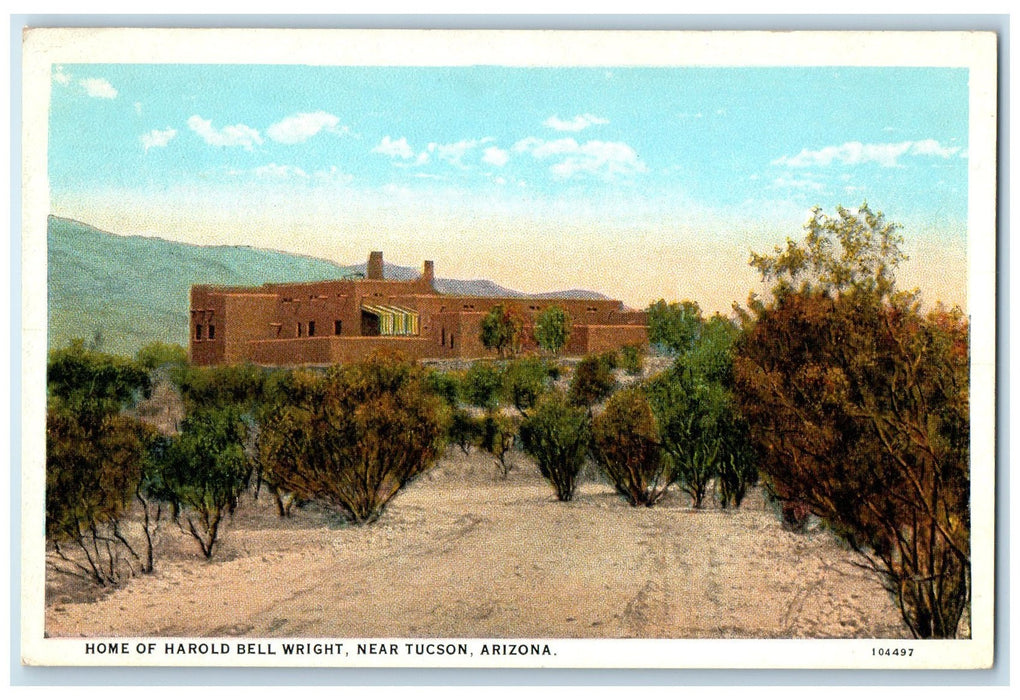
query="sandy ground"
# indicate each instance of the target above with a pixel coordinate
(462, 553)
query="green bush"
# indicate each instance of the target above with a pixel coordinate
(593, 380)
(465, 430)
(498, 435)
(483, 386)
(632, 359)
(353, 437)
(157, 355)
(558, 436)
(626, 447)
(552, 329)
(205, 471)
(523, 381)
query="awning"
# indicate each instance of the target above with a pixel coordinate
(393, 320)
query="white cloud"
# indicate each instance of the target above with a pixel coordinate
(236, 135)
(394, 149)
(138, 108)
(494, 155)
(452, 153)
(300, 127)
(605, 159)
(279, 172)
(158, 138)
(581, 121)
(61, 76)
(886, 155)
(98, 87)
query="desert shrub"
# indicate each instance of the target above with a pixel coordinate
(593, 380)
(352, 437)
(483, 386)
(93, 460)
(632, 359)
(92, 471)
(674, 327)
(465, 430)
(445, 385)
(625, 441)
(523, 381)
(239, 386)
(502, 330)
(858, 402)
(552, 329)
(498, 435)
(558, 436)
(205, 471)
(157, 355)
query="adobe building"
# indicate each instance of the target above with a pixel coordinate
(347, 320)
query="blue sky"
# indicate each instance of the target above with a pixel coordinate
(640, 182)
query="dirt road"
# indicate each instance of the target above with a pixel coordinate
(461, 553)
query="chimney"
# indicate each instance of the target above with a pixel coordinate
(428, 272)
(375, 266)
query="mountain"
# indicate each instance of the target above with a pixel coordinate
(123, 292)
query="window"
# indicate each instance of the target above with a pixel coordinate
(338, 326)
(451, 341)
(443, 341)
(198, 331)
(212, 332)
(299, 330)
(311, 328)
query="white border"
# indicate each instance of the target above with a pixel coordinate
(972, 50)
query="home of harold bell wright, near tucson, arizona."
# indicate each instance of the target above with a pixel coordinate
(349, 319)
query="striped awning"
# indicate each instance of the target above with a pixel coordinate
(393, 320)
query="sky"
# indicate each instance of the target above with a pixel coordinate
(641, 183)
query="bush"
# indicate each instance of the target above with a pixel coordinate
(626, 447)
(502, 330)
(858, 403)
(558, 435)
(465, 430)
(498, 434)
(523, 381)
(92, 471)
(632, 359)
(552, 329)
(205, 471)
(354, 436)
(483, 386)
(157, 355)
(593, 380)
(94, 460)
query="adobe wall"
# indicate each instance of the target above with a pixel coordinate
(587, 340)
(333, 350)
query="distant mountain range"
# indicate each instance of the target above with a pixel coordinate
(123, 292)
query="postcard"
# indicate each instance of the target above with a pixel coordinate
(516, 349)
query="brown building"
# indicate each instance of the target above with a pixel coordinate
(349, 319)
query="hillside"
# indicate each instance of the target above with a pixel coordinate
(124, 292)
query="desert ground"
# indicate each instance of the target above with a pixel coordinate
(463, 552)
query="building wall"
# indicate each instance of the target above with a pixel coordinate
(297, 323)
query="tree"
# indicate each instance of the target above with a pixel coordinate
(675, 326)
(523, 381)
(352, 437)
(205, 471)
(699, 428)
(625, 444)
(858, 403)
(156, 355)
(92, 470)
(93, 460)
(593, 380)
(552, 329)
(558, 435)
(502, 330)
